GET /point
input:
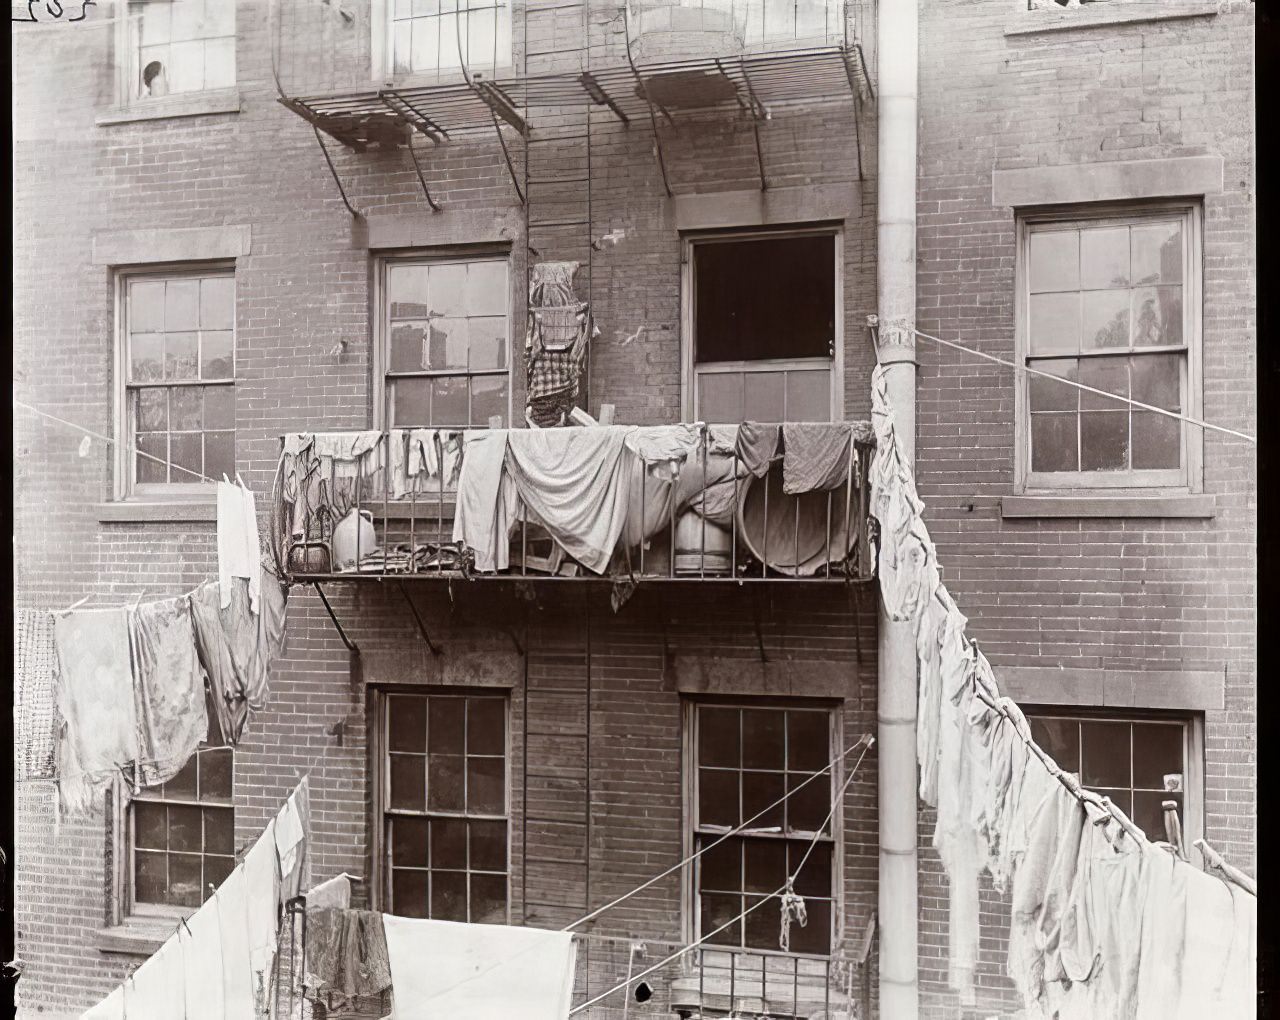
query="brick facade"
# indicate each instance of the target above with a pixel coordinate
(596, 760)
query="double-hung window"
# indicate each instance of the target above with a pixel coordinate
(446, 341)
(444, 806)
(749, 760)
(437, 37)
(1110, 302)
(762, 311)
(177, 368)
(174, 47)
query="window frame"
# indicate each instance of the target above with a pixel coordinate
(1193, 780)
(1189, 478)
(690, 370)
(689, 896)
(381, 359)
(381, 53)
(125, 485)
(380, 773)
(126, 97)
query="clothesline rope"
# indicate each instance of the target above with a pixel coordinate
(776, 894)
(1088, 389)
(866, 739)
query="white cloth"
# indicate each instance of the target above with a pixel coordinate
(201, 942)
(156, 988)
(290, 831)
(110, 1008)
(238, 544)
(575, 482)
(334, 893)
(1219, 964)
(478, 971)
(262, 898)
(233, 927)
(487, 505)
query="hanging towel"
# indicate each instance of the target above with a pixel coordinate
(575, 483)
(487, 503)
(757, 446)
(478, 971)
(346, 954)
(168, 688)
(201, 940)
(238, 552)
(158, 987)
(336, 892)
(292, 824)
(816, 455)
(34, 664)
(262, 912)
(1163, 939)
(94, 697)
(415, 463)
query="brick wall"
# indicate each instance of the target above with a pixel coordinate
(594, 702)
(1085, 594)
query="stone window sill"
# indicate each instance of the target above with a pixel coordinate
(172, 511)
(1116, 12)
(197, 105)
(1200, 505)
(138, 936)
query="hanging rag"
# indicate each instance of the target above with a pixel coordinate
(574, 482)
(238, 546)
(292, 825)
(792, 909)
(1163, 936)
(478, 971)
(816, 456)
(94, 698)
(415, 463)
(262, 914)
(168, 688)
(233, 928)
(201, 940)
(236, 647)
(158, 987)
(558, 331)
(929, 697)
(346, 955)
(487, 503)
(34, 665)
(757, 446)
(336, 892)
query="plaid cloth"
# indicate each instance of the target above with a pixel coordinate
(33, 708)
(554, 357)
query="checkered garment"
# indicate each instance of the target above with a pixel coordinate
(34, 716)
(559, 327)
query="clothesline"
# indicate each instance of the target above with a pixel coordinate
(1088, 389)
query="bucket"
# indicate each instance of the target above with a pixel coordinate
(796, 539)
(689, 546)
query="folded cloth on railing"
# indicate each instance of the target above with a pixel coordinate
(448, 969)
(418, 459)
(34, 664)
(168, 688)
(94, 697)
(816, 455)
(757, 446)
(487, 501)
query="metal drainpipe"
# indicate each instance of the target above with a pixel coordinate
(896, 58)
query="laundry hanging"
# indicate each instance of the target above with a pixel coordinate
(34, 665)
(238, 543)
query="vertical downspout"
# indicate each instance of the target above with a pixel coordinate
(896, 60)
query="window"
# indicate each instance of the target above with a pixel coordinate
(745, 759)
(182, 834)
(446, 330)
(1110, 302)
(1138, 763)
(427, 36)
(180, 46)
(788, 21)
(444, 806)
(178, 369)
(763, 313)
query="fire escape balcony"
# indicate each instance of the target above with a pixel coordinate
(683, 503)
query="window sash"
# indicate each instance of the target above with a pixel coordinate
(440, 33)
(131, 86)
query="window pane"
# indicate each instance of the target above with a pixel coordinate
(411, 403)
(146, 306)
(1060, 738)
(488, 846)
(764, 864)
(814, 878)
(218, 835)
(1157, 752)
(219, 407)
(449, 843)
(1105, 750)
(1111, 375)
(1104, 440)
(186, 886)
(761, 925)
(1055, 323)
(448, 346)
(1104, 257)
(188, 17)
(407, 720)
(216, 871)
(1053, 260)
(153, 75)
(445, 791)
(488, 899)
(487, 289)
(402, 47)
(186, 451)
(184, 828)
(407, 291)
(481, 36)
(763, 739)
(409, 347)
(1157, 380)
(219, 18)
(721, 866)
(449, 895)
(154, 23)
(720, 397)
(146, 357)
(1047, 395)
(153, 410)
(447, 717)
(180, 358)
(808, 740)
(717, 797)
(217, 359)
(808, 395)
(719, 910)
(186, 408)
(150, 877)
(183, 785)
(759, 791)
(1157, 253)
(488, 399)
(447, 285)
(1157, 316)
(486, 726)
(1157, 441)
(409, 893)
(185, 72)
(219, 63)
(718, 736)
(1053, 442)
(215, 774)
(815, 937)
(219, 454)
(1106, 319)
(181, 305)
(1148, 813)
(807, 808)
(150, 826)
(488, 342)
(764, 396)
(486, 779)
(409, 842)
(449, 401)
(449, 38)
(408, 784)
(426, 44)
(151, 460)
